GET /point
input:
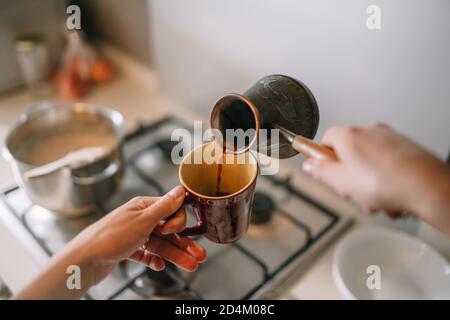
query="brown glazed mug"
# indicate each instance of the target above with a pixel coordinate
(222, 217)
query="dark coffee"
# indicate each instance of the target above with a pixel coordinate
(220, 196)
(236, 115)
(219, 174)
(217, 194)
(219, 179)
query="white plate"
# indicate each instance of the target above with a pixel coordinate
(408, 268)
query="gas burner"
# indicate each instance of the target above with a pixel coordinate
(166, 146)
(156, 283)
(266, 222)
(263, 207)
(161, 283)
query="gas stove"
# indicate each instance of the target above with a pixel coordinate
(289, 229)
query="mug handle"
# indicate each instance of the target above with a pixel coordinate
(200, 227)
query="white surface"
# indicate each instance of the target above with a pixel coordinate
(22, 258)
(409, 268)
(399, 74)
(436, 239)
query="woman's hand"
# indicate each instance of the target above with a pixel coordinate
(135, 231)
(382, 170)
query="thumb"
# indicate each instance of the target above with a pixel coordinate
(167, 204)
(326, 171)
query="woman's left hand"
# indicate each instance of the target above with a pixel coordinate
(137, 231)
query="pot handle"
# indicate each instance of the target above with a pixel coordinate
(108, 172)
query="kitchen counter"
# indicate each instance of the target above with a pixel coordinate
(134, 93)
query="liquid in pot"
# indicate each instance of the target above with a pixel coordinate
(58, 144)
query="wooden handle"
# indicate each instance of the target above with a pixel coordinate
(311, 149)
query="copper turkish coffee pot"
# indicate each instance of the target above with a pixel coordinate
(274, 102)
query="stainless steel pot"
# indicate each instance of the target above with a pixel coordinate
(71, 191)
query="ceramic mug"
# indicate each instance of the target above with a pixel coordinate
(223, 214)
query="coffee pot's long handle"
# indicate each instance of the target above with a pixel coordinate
(306, 146)
(311, 149)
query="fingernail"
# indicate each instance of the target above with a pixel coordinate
(167, 230)
(308, 165)
(196, 251)
(176, 192)
(155, 265)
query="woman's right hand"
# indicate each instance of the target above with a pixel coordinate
(382, 170)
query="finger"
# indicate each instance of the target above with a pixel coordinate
(141, 203)
(156, 263)
(137, 255)
(175, 224)
(393, 215)
(330, 136)
(148, 259)
(188, 245)
(329, 172)
(165, 205)
(382, 125)
(333, 136)
(170, 252)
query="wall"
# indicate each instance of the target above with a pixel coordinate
(122, 23)
(399, 74)
(18, 17)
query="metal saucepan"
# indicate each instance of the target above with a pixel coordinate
(47, 132)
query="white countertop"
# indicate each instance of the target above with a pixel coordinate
(135, 94)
